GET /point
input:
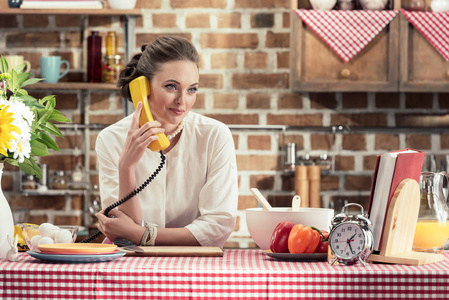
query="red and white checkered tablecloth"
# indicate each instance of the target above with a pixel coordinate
(347, 32)
(433, 26)
(239, 274)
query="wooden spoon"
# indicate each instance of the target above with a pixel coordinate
(261, 199)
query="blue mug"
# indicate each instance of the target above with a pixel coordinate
(51, 68)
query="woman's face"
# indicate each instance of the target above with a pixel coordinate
(173, 92)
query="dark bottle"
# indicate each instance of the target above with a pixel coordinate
(94, 57)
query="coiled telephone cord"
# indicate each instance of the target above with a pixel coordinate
(129, 196)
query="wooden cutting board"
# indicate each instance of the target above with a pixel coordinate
(176, 251)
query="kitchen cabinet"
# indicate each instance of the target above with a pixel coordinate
(422, 68)
(315, 67)
(398, 59)
(128, 18)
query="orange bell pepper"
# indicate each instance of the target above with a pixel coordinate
(303, 239)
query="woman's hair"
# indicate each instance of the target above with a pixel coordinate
(153, 56)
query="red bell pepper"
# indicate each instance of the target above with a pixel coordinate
(279, 237)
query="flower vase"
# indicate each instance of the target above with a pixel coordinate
(6, 222)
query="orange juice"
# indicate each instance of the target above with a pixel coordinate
(430, 234)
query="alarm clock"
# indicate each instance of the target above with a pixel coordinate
(350, 239)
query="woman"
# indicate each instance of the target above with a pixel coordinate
(193, 199)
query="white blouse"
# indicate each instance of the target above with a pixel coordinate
(196, 189)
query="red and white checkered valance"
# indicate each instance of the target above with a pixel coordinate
(433, 26)
(347, 32)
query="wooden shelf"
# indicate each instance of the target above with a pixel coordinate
(72, 86)
(90, 12)
(51, 192)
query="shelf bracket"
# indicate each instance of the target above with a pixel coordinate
(130, 41)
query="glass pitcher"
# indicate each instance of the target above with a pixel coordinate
(432, 228)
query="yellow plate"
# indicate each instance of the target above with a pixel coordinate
(78, 248)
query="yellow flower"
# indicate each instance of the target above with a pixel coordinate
(6, 128)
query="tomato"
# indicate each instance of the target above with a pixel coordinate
(303, 239)
(279, 237)
(323, 244)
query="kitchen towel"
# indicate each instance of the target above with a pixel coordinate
(433, 26)
(347, 32)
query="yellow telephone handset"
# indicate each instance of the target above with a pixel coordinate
(140, 90)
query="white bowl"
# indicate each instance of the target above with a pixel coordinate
(261, 223)
(122, 4)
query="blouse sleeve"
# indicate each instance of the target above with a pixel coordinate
(218, 197)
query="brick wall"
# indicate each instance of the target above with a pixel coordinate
(244, 49)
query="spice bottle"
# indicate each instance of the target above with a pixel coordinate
(59, 181)
(111, 44)
(111, 69)
(94, 57)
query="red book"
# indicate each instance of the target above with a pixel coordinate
(391, 169)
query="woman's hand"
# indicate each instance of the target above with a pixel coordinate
(119, 225)
(138, 139)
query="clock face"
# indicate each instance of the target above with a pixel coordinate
(347, 240)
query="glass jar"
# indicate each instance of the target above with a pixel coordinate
(28, 182)
(111, 69)
(59, 181)
(324, 163)
(111, 44)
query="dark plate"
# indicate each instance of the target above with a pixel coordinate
(297, 256)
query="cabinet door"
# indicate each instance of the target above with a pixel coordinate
(423, 69)
(316, 67)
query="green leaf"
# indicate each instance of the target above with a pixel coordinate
(50, 128)
(31, 102)
(38, 148)
(3, 65)
(31, 81)
(19, 68)
(22, 92)
(58, 117)
(29, 166)
(14, 82)
(22, 77)
(48, 141)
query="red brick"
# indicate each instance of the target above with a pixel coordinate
(164, 20)
(37, 21)
(362, 119)
(321, 141)
(214, 81)
(354, 142)
(197, 21)
(261, 182)
(286, 20)
(369, 162)
(290, 101)
(418, 100)
(229, 20)
(258, 100)
(68, 220)
(418, 141)
(354, 100)
(236, 118)
(229, 40)
(224, 60)
(330, 183)
(386, 142)
(230, 101)
(258, 162)
(256, 60)
(444, 141)
(323, 100)
(358, 183)
(149, 4)
(105, 119)
(33, 40)
(277, 40)
(260, 80)
(344, 163)
(100, 21)
(262, 4)
(443, 100)
(9, 22)
(198, 4)
(283, 60)
(280, 200)
(259, 142)
(99, 101)
(262, 20)
(200, 102)
(147, 38)
(288, 182)
(422, 120)
(67, 21)
(295, 120)
(388, 100)
(246, 202)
